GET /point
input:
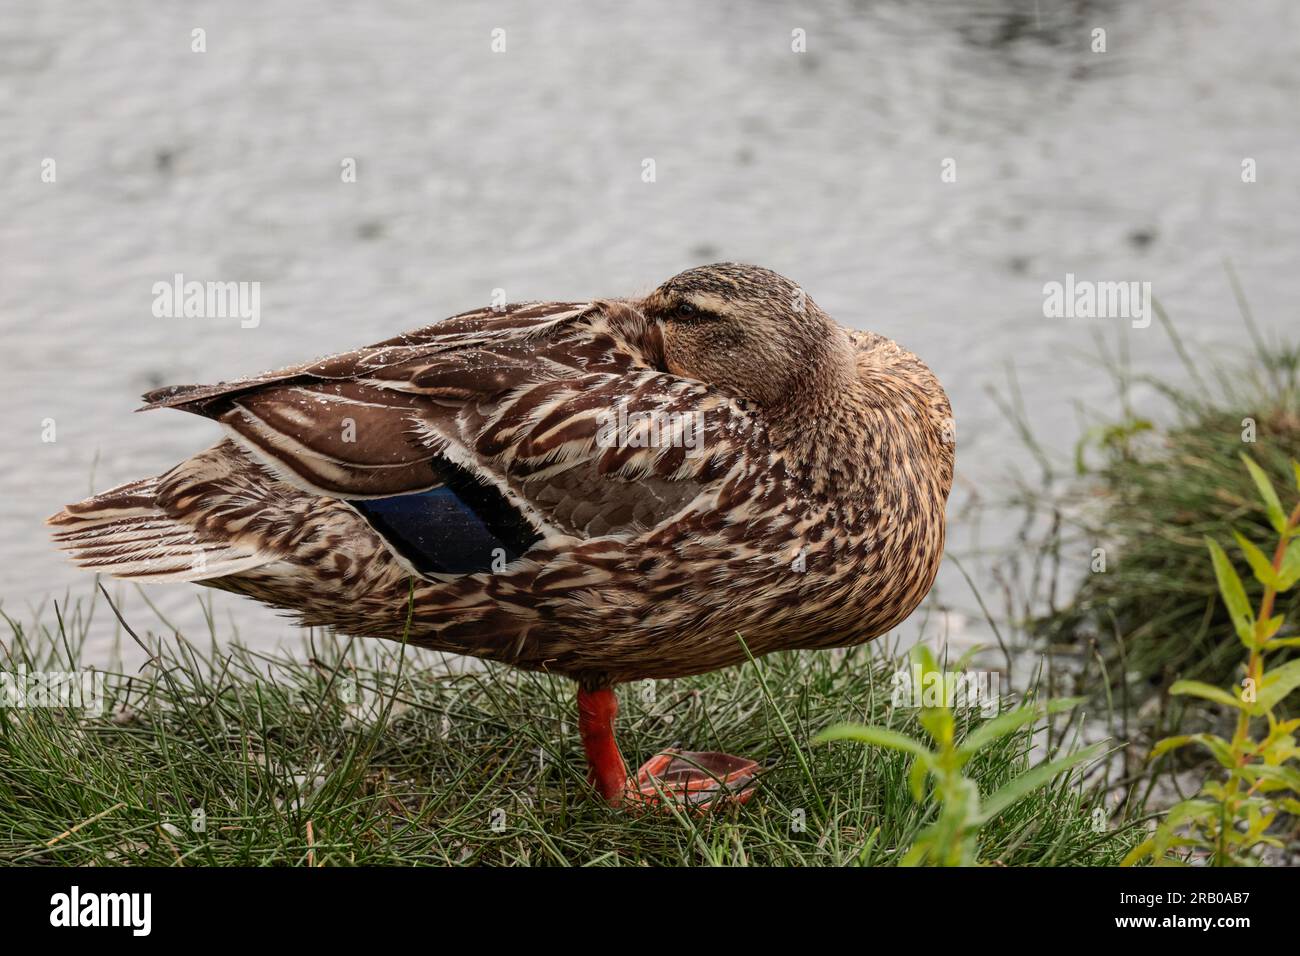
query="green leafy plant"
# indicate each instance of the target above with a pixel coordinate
(1230, 819)
(953, 838)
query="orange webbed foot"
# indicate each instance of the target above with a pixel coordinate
(693, 780)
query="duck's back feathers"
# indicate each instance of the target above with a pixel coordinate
(463, 333)
(521, 402)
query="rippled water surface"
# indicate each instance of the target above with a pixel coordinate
(522, 170)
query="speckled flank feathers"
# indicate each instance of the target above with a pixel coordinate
(813, 515)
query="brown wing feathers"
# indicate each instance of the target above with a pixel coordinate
(349, 425)
(514, 400)
(337, 438)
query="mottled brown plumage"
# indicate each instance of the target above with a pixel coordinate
(811, 516)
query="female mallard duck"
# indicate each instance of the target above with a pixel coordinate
(611, 490)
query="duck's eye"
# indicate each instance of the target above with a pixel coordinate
(686, 310)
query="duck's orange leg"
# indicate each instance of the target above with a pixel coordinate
(606, 770)
(698, 780)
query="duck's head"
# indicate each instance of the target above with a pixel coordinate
(749, 331)
(835, 398)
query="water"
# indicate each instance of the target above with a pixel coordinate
(522, 170)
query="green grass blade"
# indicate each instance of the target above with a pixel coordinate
(1039, 776)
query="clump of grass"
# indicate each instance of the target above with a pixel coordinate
(1151, 494)
(368, 753)
(1156, 596)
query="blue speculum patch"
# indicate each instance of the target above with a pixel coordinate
(460, 527)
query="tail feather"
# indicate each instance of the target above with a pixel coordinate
(133, 498)
(123, 532)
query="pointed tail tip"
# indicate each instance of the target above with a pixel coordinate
(167, 396)
(79, 511)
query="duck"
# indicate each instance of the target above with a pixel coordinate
(616, 490)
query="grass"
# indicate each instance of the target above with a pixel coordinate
(1157, 505)
(371, 754)
(1150, 486)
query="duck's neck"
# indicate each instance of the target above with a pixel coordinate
(849, 429)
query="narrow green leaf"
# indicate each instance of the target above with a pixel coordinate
(1290, 571)
(1031, 780)
(1277, 683)
(1196, 688)
(1234, 594)
(1276, 516)
(1221, 749)
(1163, 747)
(998, 727)
(1258, 561)
(877, 736)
